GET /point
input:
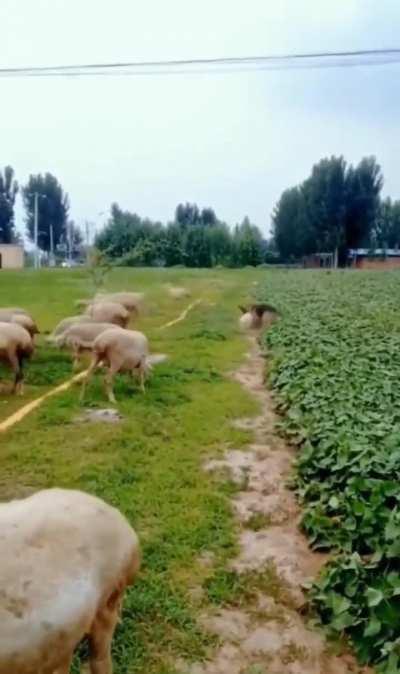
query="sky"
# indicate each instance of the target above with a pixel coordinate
(231, 141)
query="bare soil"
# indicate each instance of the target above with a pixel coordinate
(271, 636)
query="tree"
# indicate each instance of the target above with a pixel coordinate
(292, 231)
(173, 246)
(197, 248)
(333, 210)
(187, 214)
(364, 184)
(247, 244)
(325, 195)
(386, 229)
(8, 192)
(125, 230)
(53, 207)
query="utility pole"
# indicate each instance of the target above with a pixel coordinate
(35, 227)
(51, 247)
(87, 240)
(70, 243)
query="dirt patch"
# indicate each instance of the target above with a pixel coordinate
(271, 636)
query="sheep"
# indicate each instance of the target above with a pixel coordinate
(121, 351)
(131, 301)
(66, 323)
(177, 292)
(21, 317)
(108, 312)
(257, 316)
(15, 346)
(67, 559)
(80, 337)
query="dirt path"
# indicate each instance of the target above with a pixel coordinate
(271, 636)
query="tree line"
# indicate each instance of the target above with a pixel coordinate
(195, 238)
(338, 207)
(52, 207)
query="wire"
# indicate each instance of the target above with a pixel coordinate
(336, 59)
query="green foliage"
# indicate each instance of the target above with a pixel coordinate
(336, 368)
(8, 192)
(333, 210)
(195, 239)
(98, 268)
(53, 207)
(386, 233)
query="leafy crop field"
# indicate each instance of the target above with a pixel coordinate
(336, 372)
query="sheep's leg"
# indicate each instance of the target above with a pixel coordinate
(108, 381)
(89, 374)
(101, 636)
(75, 359)
(142, 379)
(65, 667)
(16, 365)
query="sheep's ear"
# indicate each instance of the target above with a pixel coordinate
(242, 309)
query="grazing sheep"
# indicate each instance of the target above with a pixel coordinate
(66, 323)
(131, 301)
(15, 346)
(67, 559)
(108, 312)
(21, 317)
(257, 316)
(178, 293)
(80, 337)
(121, 351)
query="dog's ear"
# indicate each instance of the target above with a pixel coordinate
(243, 310)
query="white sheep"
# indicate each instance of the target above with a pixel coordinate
(21, 317)
(131, 301)
(108, 312)
(80, 337)
(257, 316)
(66, 323)
(16, 345)
(178, 293)
(67, 558)
(121, 351)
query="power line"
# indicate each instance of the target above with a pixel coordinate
(338, 59)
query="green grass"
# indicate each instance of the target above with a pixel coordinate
(149, 465)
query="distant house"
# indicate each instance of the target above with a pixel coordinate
(318, 261)
(11, 256)
(380, 258)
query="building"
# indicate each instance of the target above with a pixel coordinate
(11, 256)
(319, 261)
(380, 258)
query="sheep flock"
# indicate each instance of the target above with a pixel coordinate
(68, 556)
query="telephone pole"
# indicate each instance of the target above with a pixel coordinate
(35, 227)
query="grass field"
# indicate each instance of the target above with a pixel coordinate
(336, 371)
(149, 465)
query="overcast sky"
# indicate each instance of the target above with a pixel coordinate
(230, 141)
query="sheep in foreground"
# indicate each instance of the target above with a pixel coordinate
(67, 560)
(121, 351)
(80, 338)
(20, 317)
(257, 316)
(131, 301)
(16, 345)
(67, 323)
(108, 312)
